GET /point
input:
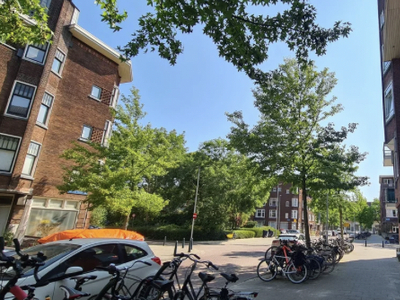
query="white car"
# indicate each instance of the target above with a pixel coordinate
(70, 256)
(297, 237)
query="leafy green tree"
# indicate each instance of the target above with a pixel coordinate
(288, 141)
(23, 22)
(229, 190)
(242, 37)
(135, 152)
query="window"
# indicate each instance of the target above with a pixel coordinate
(58, 62)
(31, 159)
(390, 195)
(273, 202)
(279, 189)
(86, 133)
(388, 181)
(132, 253)
(295, 202)
(294, 226)
(272, 213)
(274, 189)
(45, 3)
(286, 215)
(260, 213)
(389, 103)
(36, 53)
(96, 92)
(51, 215)
(394, 213)
(287, 192)
(8, 151)
(287, 203)
(21, 100)
(382, 18)
(385, 64)
(45, 107)
(294, 214)
(107, 133)
(114, 97)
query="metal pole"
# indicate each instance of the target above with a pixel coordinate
(278, 219)
(327, 218)
(195, 202)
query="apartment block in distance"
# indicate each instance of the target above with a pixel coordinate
(284, 210)
(389, 37)
(51, 95)
(389, 212)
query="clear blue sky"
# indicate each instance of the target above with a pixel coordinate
(193, 96)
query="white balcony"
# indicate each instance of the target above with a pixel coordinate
(391, 36)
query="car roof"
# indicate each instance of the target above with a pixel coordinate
(82, 242)
(289, 235)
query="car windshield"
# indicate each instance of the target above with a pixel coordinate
(53, 252)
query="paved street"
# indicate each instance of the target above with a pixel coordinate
(370, 272)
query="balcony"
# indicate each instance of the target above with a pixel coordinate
(387, 157)
(391, 34)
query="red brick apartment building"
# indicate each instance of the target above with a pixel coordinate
(389, 212)
(50, 96)
(284, 210)
(389, 37)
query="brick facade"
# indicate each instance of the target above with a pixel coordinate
(72, 108)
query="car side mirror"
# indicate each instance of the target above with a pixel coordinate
(74, 271)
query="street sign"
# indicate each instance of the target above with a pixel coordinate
(194, 216)
(295, 220)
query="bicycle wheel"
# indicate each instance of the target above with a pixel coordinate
(296, 274)
(271, 251)
(266, 270)
(314, 268)
(148, 292)
(213, 296)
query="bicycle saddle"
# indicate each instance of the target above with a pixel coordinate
(206, 277)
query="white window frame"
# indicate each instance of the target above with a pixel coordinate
(286, 215)
(36, 158)
(45, 204)
(11, 97)
(15, 153)
(295, 214)
(260, 213)
(273, 202)
(83, 139)
(287, 191)
(272, 213)
(97, 98)
(36, 46)
(382, 18)
(114, 97)
(107, 133)
(49, 109)
(389, 111)
(287, 203)
(59, 72)
(294, 225)
(274, 189)
(295, 202)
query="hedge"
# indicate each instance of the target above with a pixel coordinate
(176, 233)
(258, 231)
(243, 234)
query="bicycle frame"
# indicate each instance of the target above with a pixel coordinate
(288, 261)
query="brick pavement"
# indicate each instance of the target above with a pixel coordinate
(367, 273)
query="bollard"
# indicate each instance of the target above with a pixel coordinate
(365, 243)
(383, 244)
(190, 244)
(165, 240)
(176, 247)
(183, 243)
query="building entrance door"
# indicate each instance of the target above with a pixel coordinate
(5, 208)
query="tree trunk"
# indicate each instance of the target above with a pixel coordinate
(341, 220)
(127, 221)
(306, 227)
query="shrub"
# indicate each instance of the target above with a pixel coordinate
(250, 224)
(243, 234)
(258, 231)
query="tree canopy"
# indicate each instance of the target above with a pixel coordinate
(115, 177)
(241, 36)
(289, 142)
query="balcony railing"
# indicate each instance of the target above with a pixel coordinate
(387, 157)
